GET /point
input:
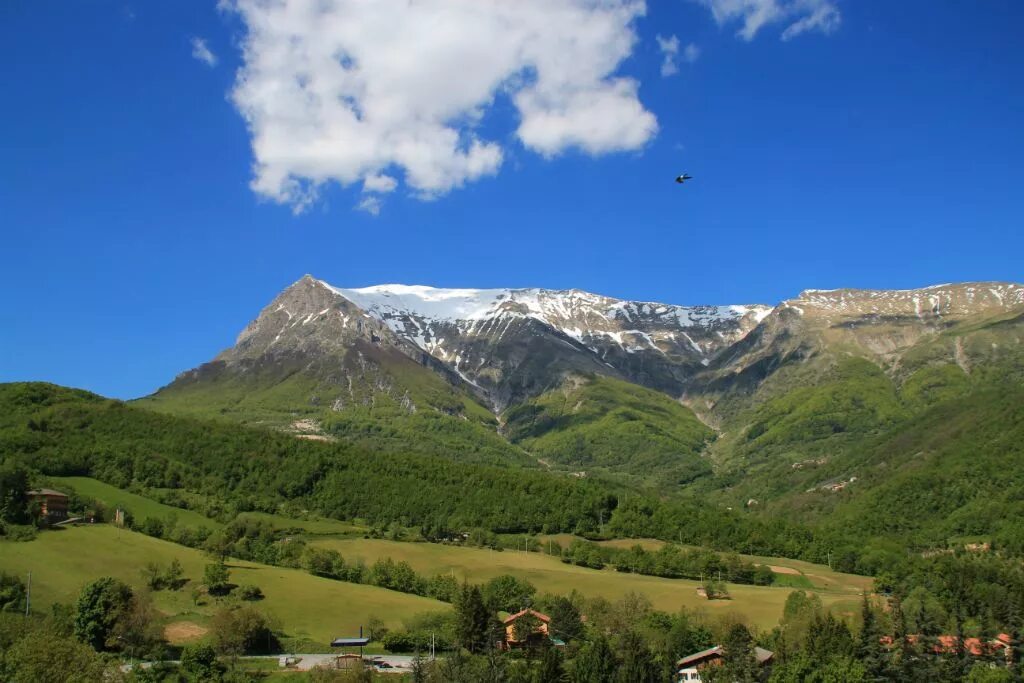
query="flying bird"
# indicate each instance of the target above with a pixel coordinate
(683, 178)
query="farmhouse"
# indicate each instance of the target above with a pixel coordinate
(975, 647)
(689, 668)
(539, 634)
(53, 505)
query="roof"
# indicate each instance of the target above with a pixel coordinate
(512, 617)
(949, 643)
(349, 642)
(760, 654)
(46, 492)
(715, 651)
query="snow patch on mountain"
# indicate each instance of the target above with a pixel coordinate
(412, 311)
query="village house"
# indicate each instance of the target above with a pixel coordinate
(53, 505)
(539, 635)
(1001, 645)
(689, 668)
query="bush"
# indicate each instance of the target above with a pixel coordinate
(242, 630)
(249, 592)
(215, 576)
(200, 662)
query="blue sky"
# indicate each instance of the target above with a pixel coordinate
(882, 147)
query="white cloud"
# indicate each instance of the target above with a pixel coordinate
(370, 204)
(379, 183)
(669, 51)
(670, 54)
(799, 16)
(348, 90)
(202, 52)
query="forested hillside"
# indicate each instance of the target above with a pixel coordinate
(606, 424)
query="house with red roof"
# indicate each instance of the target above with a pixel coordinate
(689, 668)
(539, 630)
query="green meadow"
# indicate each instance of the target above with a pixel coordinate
(139, 506)
(306, 607)
(760, 605)
(817, 576)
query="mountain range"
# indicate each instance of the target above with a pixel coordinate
(648, 393)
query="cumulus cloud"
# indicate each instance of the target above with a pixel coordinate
(798, 16)
(370, 204)
(669, 51)
(670, 54)
(201, 51)
(347, 90)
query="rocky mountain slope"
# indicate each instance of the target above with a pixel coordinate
(528, 374)
(494, 338)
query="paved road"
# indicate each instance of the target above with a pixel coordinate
(401, 663)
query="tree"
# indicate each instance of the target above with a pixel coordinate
(100, 606)
(241, 630)
(684, 638)
(869, 650)
(136, 630)
(199, 661)
(739, 664)
(472, 619)
(12, 593)
(152, 576)
(13, 490)
(983, 673)
(38, 659)
(803, 668)
(173, 575)
(595, 662)
(551, 669)
(566, 623)
(637, 661)
(508, 594)
(829, 637)
(216, 576)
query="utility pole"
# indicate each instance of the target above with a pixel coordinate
(28, 595)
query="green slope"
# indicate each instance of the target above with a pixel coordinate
(613, 426)
(217, 464)
(307, 607)
(383, 401)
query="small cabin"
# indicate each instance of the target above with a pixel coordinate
(53, 505)
(539, 635)
(689, 668)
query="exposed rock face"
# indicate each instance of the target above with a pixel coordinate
(307, 318)
(879, 324)
(505, 345)
(514, 343)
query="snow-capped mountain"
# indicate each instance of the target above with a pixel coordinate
(507, 345)
(445, 322)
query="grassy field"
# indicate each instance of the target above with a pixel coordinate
(139, 506)
(314, 527)
(142, 507)
(790, 572)
(761, 606)
(307, 607)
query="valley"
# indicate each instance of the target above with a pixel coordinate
(376, 456)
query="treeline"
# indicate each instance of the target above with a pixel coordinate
(59, 431)
(234, 469)
(669, 561)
